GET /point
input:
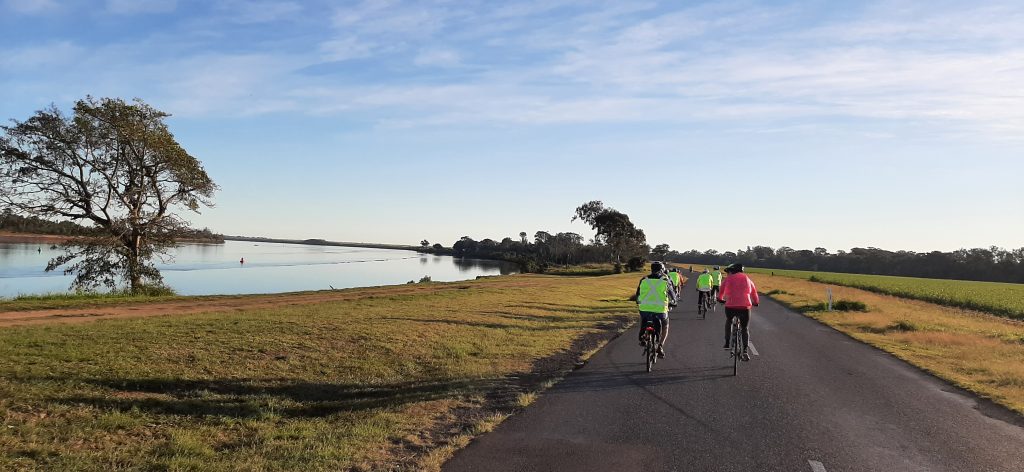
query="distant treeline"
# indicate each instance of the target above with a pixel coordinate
(34, 225)
(993, 264)
(544, 251)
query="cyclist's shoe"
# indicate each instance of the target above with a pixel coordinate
(726, 345)
(661, 352)
(745, 357)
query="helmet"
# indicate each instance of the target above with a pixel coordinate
(734, 269)
(705, 270)
(718, 268)
(657, 267)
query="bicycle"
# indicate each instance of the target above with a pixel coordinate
(735, 339)
(650, 340)
(703, 304)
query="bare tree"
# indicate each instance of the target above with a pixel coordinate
(113, 165)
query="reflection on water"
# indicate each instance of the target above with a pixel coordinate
(203, 269)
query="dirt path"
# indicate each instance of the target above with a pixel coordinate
(204, 305)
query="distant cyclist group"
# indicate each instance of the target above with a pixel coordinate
(658, 293)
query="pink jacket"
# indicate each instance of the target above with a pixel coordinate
(738, 291)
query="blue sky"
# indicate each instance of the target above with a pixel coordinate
(895, 124)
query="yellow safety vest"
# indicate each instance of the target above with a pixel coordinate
(654, 295)
(675, 277)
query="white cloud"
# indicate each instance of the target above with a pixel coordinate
(344, 49)
(246, 12)
(31, 6)
(132, 7)
(33, 58)
(437, 57)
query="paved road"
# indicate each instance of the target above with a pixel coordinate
(812, 400)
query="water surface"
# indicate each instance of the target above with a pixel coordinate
(209, 269)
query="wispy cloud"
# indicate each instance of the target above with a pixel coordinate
(259, 11)
(31, 6)
(957, 68)
(132, 7)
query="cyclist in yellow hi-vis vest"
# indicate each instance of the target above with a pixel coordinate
(676, 279)
(653, 296)
(716, 282)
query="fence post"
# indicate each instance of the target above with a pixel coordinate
(830, 299)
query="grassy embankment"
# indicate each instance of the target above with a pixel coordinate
(394, 377)
(980, 352)
(80, 300)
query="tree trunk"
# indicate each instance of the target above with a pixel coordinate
(134, 271)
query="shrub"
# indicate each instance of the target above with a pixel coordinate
(903, 325)
(635, 264)
(425, 279)
(849, 305)
(618, 268)
(152, 290)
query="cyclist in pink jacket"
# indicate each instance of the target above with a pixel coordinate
(739, 295)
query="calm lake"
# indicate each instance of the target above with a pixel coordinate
(209, 269)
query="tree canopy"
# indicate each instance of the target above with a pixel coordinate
(113, 165)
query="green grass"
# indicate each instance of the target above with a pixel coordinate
(387, 380)
(76, 300)
(997, 298)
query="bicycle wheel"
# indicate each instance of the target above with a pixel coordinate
(650, 356)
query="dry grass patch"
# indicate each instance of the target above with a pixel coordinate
(980, 352)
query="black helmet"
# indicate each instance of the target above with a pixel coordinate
(657, 267)
(718, 268)
(734, 268)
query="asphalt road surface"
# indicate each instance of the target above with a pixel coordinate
(811, 400)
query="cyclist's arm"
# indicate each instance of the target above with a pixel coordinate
(753, 294)
(636, 296)
(721, 291)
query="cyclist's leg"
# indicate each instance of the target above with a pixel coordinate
(643, 319)
(663, 330)
(729, 313)
(744, 323)
(714, 293)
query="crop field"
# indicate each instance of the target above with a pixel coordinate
(997, 298)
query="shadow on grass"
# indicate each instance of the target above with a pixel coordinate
(251, 398)
(568, 308)
(555, 326)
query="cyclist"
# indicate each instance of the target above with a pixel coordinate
(653, 296)
(739, 294)
(676, 279)
(704, 284)
(716, 281)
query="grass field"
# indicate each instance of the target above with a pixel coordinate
(997, 298)
(385, 380)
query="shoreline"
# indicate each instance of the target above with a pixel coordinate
(36, 238)
(322, 242)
